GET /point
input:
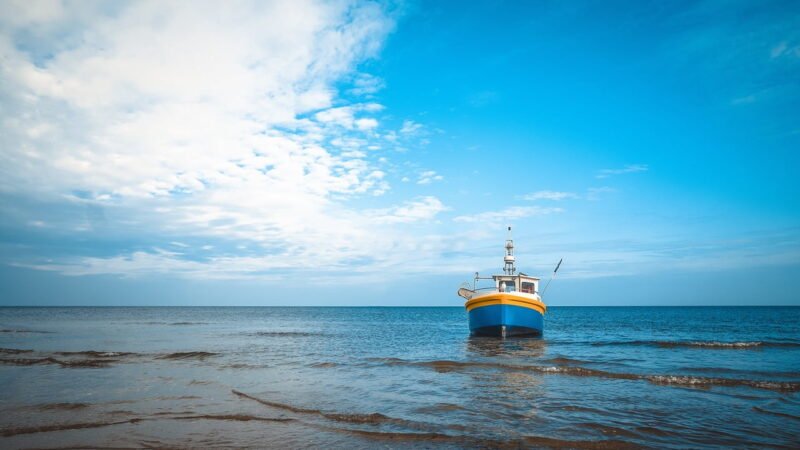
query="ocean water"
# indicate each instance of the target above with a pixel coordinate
(634, 377)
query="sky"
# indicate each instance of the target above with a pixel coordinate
(373, 153)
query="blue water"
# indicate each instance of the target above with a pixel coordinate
(398, 377)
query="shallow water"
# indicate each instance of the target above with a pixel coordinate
(398, 377)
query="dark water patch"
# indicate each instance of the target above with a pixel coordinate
(609, 430)
(324, 365)
(775, 413)
(439, 408)
(27, 361)
(285, 334)
(14, 351)
(654, 431)
(242, 366)
(62, 406)
(565, 360)
(187, 355)
(9, 432)
(8, 330)
(189, 323)
(177, 397)
(234, 417)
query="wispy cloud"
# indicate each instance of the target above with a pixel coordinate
(594, 193)
(549, 195)
(410, 127)
(747, 99)
(631, 168)
(366, 85)
(428, 177)
(508, 214)
(425, 208)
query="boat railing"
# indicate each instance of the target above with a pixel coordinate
(490, 288)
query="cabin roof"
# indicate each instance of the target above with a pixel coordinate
(513, 277)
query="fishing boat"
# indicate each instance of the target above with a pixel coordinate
(510, 307)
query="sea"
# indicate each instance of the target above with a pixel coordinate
(383, 377)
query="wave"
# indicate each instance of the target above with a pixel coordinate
(692, 381)
(668, 380)
(722, 345)
(189, 323)
(324, 365)
(233, 417)
(790, 374)
(351, 418)
(95, 354)
(776, 413)
(187, 355)
(14, 351)
(84, 363)
(8, 432)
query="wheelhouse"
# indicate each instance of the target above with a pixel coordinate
(516, 283)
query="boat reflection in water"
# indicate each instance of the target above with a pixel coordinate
(522, 348)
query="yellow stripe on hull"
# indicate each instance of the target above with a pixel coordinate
(505, 298)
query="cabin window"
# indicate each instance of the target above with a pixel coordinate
(528, 288)
(507, 286)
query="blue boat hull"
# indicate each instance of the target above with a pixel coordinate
(505, 320)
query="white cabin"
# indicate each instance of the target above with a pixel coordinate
(516, 283)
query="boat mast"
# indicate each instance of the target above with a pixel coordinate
(509, 268)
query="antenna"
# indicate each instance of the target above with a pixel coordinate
(553, 275)
(508, 260)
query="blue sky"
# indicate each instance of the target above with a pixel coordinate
(338, 153)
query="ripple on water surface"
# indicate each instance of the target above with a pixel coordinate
(338, 377)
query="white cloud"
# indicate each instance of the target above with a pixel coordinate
(410, 127)
(366, 123)
(425, 208)
(203, 120)
(366, 84)
(508, 214)
(549, 195)
(428, 177)
(631, 168)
